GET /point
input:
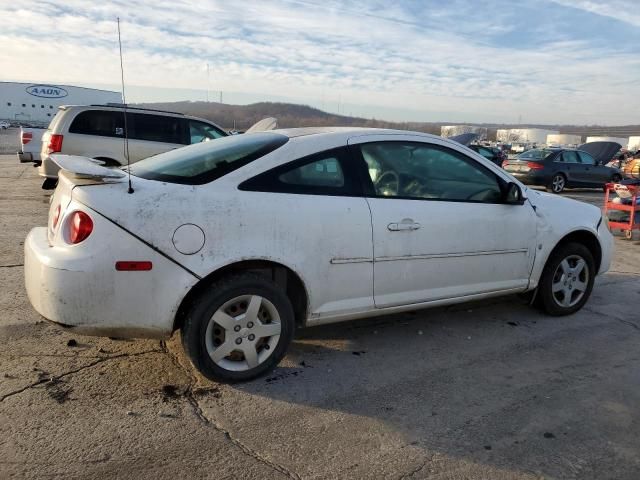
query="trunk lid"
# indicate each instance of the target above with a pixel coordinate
(516, 166)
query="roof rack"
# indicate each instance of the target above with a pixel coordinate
(121, 105)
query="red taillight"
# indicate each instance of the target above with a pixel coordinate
(535, 165)
(80, 227)
(26, 137)
(56, 216)
(55, 144)
(133, 266)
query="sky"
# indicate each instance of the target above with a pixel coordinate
(494, 61)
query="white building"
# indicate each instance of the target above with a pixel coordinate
(527, 136)
(36, 103)
(622, 141)
(634, 144)
(453, 130)
(563, 140)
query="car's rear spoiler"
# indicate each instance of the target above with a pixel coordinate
(86, 168)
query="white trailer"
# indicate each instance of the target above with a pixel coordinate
(563, 140)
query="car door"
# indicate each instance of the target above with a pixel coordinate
(576, 172)
(594, 173)
(440, 228)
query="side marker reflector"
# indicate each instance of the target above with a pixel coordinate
(133, 266)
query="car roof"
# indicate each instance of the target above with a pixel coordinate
(349, 132)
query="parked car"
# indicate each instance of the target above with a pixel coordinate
(30, 144)
(4, 125)
(239, 241)
(97, 131)
(492, 154)
(557, 169)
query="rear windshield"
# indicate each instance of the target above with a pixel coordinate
(205, 162)
(536, 154)
(56, 119)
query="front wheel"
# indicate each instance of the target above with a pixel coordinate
(557, 184)
(567, 280)
(239, 328)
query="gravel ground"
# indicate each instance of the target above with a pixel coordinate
(486, 390)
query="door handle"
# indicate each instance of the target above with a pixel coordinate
(406, 224)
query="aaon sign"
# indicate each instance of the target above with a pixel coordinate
(47, 91)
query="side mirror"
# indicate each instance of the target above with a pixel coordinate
(514, 194)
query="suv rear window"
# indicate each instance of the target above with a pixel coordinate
(105, 123)
(205, 162)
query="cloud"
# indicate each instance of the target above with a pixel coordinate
(464, 61)
(625, 11)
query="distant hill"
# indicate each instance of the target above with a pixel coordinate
(290, 115)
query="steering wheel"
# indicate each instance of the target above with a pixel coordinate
(385, 187)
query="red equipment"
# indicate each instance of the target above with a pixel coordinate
(631, 192)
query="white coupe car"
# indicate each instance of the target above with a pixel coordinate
(239, 241)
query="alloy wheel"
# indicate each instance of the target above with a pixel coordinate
(570, 281)
(243, 333)
(558, 183)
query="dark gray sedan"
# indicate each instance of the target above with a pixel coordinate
(556, 168)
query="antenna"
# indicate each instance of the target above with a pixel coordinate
(124, 102)
(207, 82)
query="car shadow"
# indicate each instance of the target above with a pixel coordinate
(492, 383)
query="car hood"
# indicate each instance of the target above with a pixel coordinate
(601, 151)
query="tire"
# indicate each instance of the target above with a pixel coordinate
(565, 287)
(557, 184)
(49, 183)
(243, 303)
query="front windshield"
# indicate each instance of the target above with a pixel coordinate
(205, 162)
(535, 154)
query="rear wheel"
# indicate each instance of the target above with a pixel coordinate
(239, 328)
(557, 184)
(567, 280)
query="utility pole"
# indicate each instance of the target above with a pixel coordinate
(207, 82)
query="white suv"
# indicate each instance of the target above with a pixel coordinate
(97, 131)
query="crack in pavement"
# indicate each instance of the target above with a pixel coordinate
(12, 265)
(199, 413)
(54, 378)
(622, 320)
(415, 470)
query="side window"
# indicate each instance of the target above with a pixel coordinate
(99, 122)
(423, 171)
(569, 157)
(201, 132)
(586, 159)
(323, 173)
(157, 128)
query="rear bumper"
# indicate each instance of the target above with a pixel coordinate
(25, 157)
(80, 289)
(48, 168)
(530, 178)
